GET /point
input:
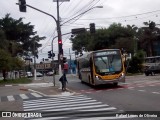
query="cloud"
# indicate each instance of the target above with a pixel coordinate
(112, 11)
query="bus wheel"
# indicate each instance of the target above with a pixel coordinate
(82, 80)
(146, 74)
(115, 84)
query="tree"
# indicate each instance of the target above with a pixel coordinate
(135, 64)
(19, 39)
(3, 40)
(80, 40)
(148, 36)
(5, 62)
(20, 36)
(116, 36)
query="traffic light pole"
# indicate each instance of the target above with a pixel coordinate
(59, 39)
(58, 31)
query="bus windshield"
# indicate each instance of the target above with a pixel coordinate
(108, 64)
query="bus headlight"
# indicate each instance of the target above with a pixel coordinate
(97, 77)
(122, 75)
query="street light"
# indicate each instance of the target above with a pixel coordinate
(82, 14)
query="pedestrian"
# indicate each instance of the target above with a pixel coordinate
(63, 80)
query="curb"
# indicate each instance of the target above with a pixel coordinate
(58, 95)
(24, 89)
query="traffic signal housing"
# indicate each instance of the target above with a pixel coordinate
(64, 59)
(49, 54)
(60, 47)
(22, 5)
(92, 28)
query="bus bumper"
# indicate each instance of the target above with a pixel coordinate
(99, 81)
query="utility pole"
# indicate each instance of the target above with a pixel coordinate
(35, 75)
(60, 53)
(70, 61)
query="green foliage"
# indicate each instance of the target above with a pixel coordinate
(135, 64)
(2, 39)
(16, 81)
(80, 40)
(18, 40)
(5, 60)
(19, 36)
(116, 36)
(147, 36)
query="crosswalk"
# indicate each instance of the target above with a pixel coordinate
(76, 107)
(20, 97)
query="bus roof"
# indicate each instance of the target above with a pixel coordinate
(87, 54)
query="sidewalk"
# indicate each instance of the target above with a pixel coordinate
(46, 88)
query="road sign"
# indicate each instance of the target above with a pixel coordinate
(61, 0)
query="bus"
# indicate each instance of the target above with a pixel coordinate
(101, 67)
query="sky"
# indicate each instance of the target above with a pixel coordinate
(126, 12)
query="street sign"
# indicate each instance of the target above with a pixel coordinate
(78, 30)
(61, 0)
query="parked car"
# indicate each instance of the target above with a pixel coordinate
(152, 70)
(29, 74)
(38, 74)
(50, 73)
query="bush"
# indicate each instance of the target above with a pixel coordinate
(16, 81)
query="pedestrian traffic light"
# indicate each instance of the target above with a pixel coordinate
(49, 54)
(92, 28)
(60, 46)
(22, 5)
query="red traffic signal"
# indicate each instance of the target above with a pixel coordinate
(59, 41)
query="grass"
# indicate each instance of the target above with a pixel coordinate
(23, 80)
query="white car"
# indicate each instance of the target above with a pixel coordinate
(1, 78)
(29, 74)
(50, 73)
(38, 74)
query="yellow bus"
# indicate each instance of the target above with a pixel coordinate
(101, 67)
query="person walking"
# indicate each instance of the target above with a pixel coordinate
(63, 80)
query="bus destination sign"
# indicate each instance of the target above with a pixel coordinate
(104, 53)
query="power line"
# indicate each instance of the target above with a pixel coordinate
(123, 16)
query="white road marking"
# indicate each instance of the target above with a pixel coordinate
(36, 95)
(155, 92)
(10, 98)
(142, 90)
(23, 96)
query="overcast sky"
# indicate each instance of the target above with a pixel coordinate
(120, 11)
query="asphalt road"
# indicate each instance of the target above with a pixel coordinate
(139, 93)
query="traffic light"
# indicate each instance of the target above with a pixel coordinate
(60, 46)
(49, 54)
(92, 28)
(152, 25)
(22, 5)
(64, 59)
